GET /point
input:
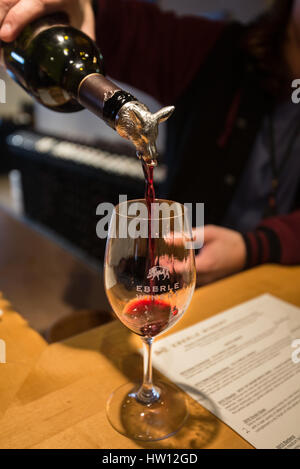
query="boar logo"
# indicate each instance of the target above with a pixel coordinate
(158, 272)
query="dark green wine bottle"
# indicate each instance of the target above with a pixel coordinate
(62, 68)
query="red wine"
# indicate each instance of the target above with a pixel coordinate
(150, 198)
(149, 317)
(149, 180)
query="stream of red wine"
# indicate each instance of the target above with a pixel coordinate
(149, 316)
(150, 198)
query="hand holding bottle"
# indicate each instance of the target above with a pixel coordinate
(16, 14)
(62, 67)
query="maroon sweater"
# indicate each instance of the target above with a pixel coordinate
(142, 46)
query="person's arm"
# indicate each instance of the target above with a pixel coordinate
(276, 240)
(227, 252)
(155, 51)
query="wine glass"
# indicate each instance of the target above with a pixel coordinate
(149, 280)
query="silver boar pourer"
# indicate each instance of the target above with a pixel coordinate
(136, 123)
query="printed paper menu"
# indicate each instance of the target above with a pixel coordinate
(241, 362)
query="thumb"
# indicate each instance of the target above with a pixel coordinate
(22, 13)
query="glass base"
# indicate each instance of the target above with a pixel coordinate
(152, 422)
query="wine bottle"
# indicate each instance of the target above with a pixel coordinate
(62, 68)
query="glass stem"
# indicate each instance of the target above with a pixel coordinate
(147, 394)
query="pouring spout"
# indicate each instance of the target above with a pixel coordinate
(136, 123)
(149, 154)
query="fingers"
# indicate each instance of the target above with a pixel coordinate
(16, 14)
(204, 261)
(184, 239)
(5, 6)
(207, 267)
(22, 13)
(199, 237)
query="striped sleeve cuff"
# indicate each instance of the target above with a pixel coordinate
(263, 246)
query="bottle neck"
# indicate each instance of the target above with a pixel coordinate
(102, 97)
